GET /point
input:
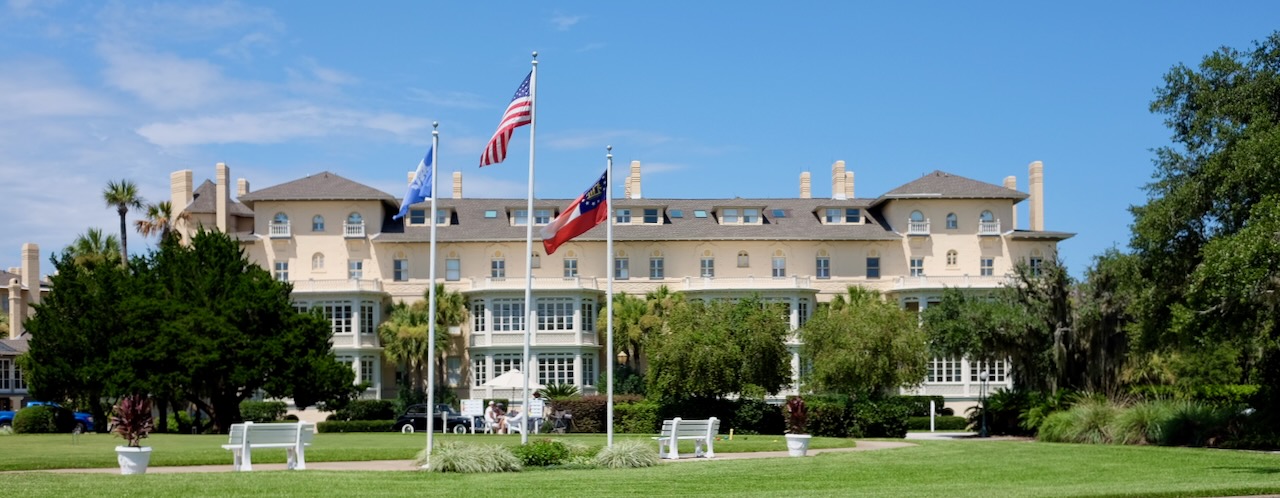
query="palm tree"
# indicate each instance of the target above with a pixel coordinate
(404, 339)
(160, 220)
(628, 330)
(451, 308)
(123, 195)
(94, 248)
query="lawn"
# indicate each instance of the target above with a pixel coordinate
(934, 468)
(60, 451)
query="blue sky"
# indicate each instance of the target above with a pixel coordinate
(716, 99)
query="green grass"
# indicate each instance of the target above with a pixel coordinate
(60, 451)
(934, 468)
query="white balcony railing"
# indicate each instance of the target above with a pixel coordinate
(917, 227)
(730, 283)
(928, 282)
(332, 285)
(279, 229)
(353, 230)
(989, 227)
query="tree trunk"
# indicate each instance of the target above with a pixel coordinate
(124, 242)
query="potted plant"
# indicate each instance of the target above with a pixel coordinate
(131, 420)
(797, 420)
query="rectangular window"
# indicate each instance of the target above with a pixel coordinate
(400, 270)
(317, 224)
(508, 315)
(823, 267)
(729, 216)
(555, 314)
(803, 310)
(996, 371)
(535, 260)
(588, 370)
(852, 216)
(442, 217)
(491, 213)
(355, 269)
(6, 382)
(588, 316)
(987, 267)
(651, 216)
(751, 216)
(779, 267)
(366, 318)
(366, 371)
(555, 368)
(917, 267)
(502, 363)
(873, 267)
(339, 316)
(18, 382)
(282, 271)
(833, 216)
(699, 213)
(1036, 265)
(621, 269)
(541, 216)
(570, 267)
(744, 259)
(656, 270)
(708, 268)
(453, 371)
(417, 216)
(944, 370)
(477, 318)
(498, 268)
(623, 216)
(520, 217)
(452, 269)
(479, 374)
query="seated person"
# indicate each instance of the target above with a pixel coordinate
(512, 419)
(493, 419)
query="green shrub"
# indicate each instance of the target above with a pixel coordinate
(755, 416)
(920, 404)
(542, 453)
(455, 456)
(1195, 423)
(589, 411)
(636, 418)
(366, 409)
(626, 454)
(1093, 421)
(37, 419)
(830, 416)
(940, 423)
(1056, 428)
(262, 411)
(1140, 422)
(1004, 412)
(882, 418)
(355, 426)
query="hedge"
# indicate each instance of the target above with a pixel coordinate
(365, 409)
(262, 411)
(939, 423)
(355, 426)
(37, 419)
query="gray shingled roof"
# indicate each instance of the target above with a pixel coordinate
(205, 201)
(5, 277)
(324, 186)
(943, 185)
(800, 223)
(13, 346)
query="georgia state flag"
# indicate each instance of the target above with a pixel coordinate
(590, 209)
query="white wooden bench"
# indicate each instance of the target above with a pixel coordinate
(701, 432)
(293, 437)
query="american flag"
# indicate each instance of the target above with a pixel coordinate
(519, 113)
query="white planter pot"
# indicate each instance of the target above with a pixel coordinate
(797, 444)
(133, 460)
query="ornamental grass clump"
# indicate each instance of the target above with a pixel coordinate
(542, 453)
(1141, 422)
(454, 456)
(626, 454)
(132, 420)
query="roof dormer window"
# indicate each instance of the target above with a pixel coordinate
(652, 216)
(842, 216)
(740, 216)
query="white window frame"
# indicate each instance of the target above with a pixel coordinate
(779, 266)
(497, 268)
(400, 270)
(822, 267)
(570, 267)
(355, 269)
(282, 271)
(707, 267)
(917, 267)
(452, 269)
(621, 269)
(657, 268)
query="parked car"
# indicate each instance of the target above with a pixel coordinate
(68, 421)
(415, 419)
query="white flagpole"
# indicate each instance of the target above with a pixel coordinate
(608, 181)
(528, 255)
(431, 295)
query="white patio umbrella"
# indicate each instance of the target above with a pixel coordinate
(512, 379)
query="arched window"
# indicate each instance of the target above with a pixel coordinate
(355, 219)
(280, 219)
(952, 222)
(917, 216)
(952, 256)
(986, 216)
(743, 259)
(317, 261)
(317, 223)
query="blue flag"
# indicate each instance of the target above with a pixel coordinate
(419, 188)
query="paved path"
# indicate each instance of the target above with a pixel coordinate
(404, 465)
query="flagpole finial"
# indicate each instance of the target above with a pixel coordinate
(435, 124)
(610, 149)
(535, 54)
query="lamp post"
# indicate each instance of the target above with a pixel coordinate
(982, 394)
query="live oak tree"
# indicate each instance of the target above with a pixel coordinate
(197, 322)
(861, 344)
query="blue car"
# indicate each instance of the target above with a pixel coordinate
(68, 421)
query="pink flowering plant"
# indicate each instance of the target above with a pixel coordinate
(131, 419)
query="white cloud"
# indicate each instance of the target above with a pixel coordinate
(244, 48)
(563, 22)
(584, 140)
(458, 100)
(175, 22)
(277, 126)
(43, 89)
(167, 81)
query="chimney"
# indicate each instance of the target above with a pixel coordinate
(457, 184)
(1036, 186)
(626, 187)
(180, 190)
(848, 184)
(634, 178)
(805, 191)
(31, 271)
(837, 180)
(16, 309)
(222, 196)
(1011, 183)
(242, 187)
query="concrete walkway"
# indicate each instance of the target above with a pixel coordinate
(405, 465)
